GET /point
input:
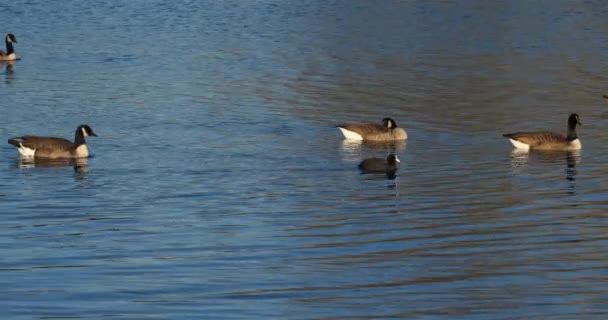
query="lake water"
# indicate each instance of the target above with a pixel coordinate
(219, 187)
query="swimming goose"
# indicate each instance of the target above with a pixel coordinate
(388, 131)
(9, 55)
(545, 140)
(54, 148)
(378, 165)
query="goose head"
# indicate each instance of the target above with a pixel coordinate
(10, 38)
(573, 120)
(86, 131)
(389, 123)
(392, 159)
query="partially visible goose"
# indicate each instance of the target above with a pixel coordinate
(54, 148)
(388, 131)
(9, 54)
(379, 165)
(545, 140)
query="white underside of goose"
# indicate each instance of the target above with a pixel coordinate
(520, 145)
(9, 57)
(350, 134)
(25, 151)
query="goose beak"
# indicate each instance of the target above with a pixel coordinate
(93, 134)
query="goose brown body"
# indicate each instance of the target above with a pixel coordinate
(543, 140)
(372, 131)
(546, 140)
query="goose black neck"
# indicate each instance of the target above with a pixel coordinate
(9, 47)
(572, 132)
(79, 138)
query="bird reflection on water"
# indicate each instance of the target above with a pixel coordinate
(353, 145)
(571, 158)
(388, 166)
(80, 165)
(352, 149)
(9, 70)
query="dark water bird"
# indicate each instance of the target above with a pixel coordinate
(52, 147)
(388, 131)
(546, 140)
(379, 165)
(9, 54)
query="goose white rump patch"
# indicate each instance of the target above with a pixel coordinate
(25, 151)
(350, 134)
(520, 145)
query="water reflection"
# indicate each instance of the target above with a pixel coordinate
(352, 148)
(392, 146)
(390, 175)
(80, 165)
(571, 158)
(389, 181)
(387, 166)
(8, 70)
(519, 157)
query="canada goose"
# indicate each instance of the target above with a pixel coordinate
(545, 140)
(379, 165)
(54, 148)
(388, 131)
(9, 55)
